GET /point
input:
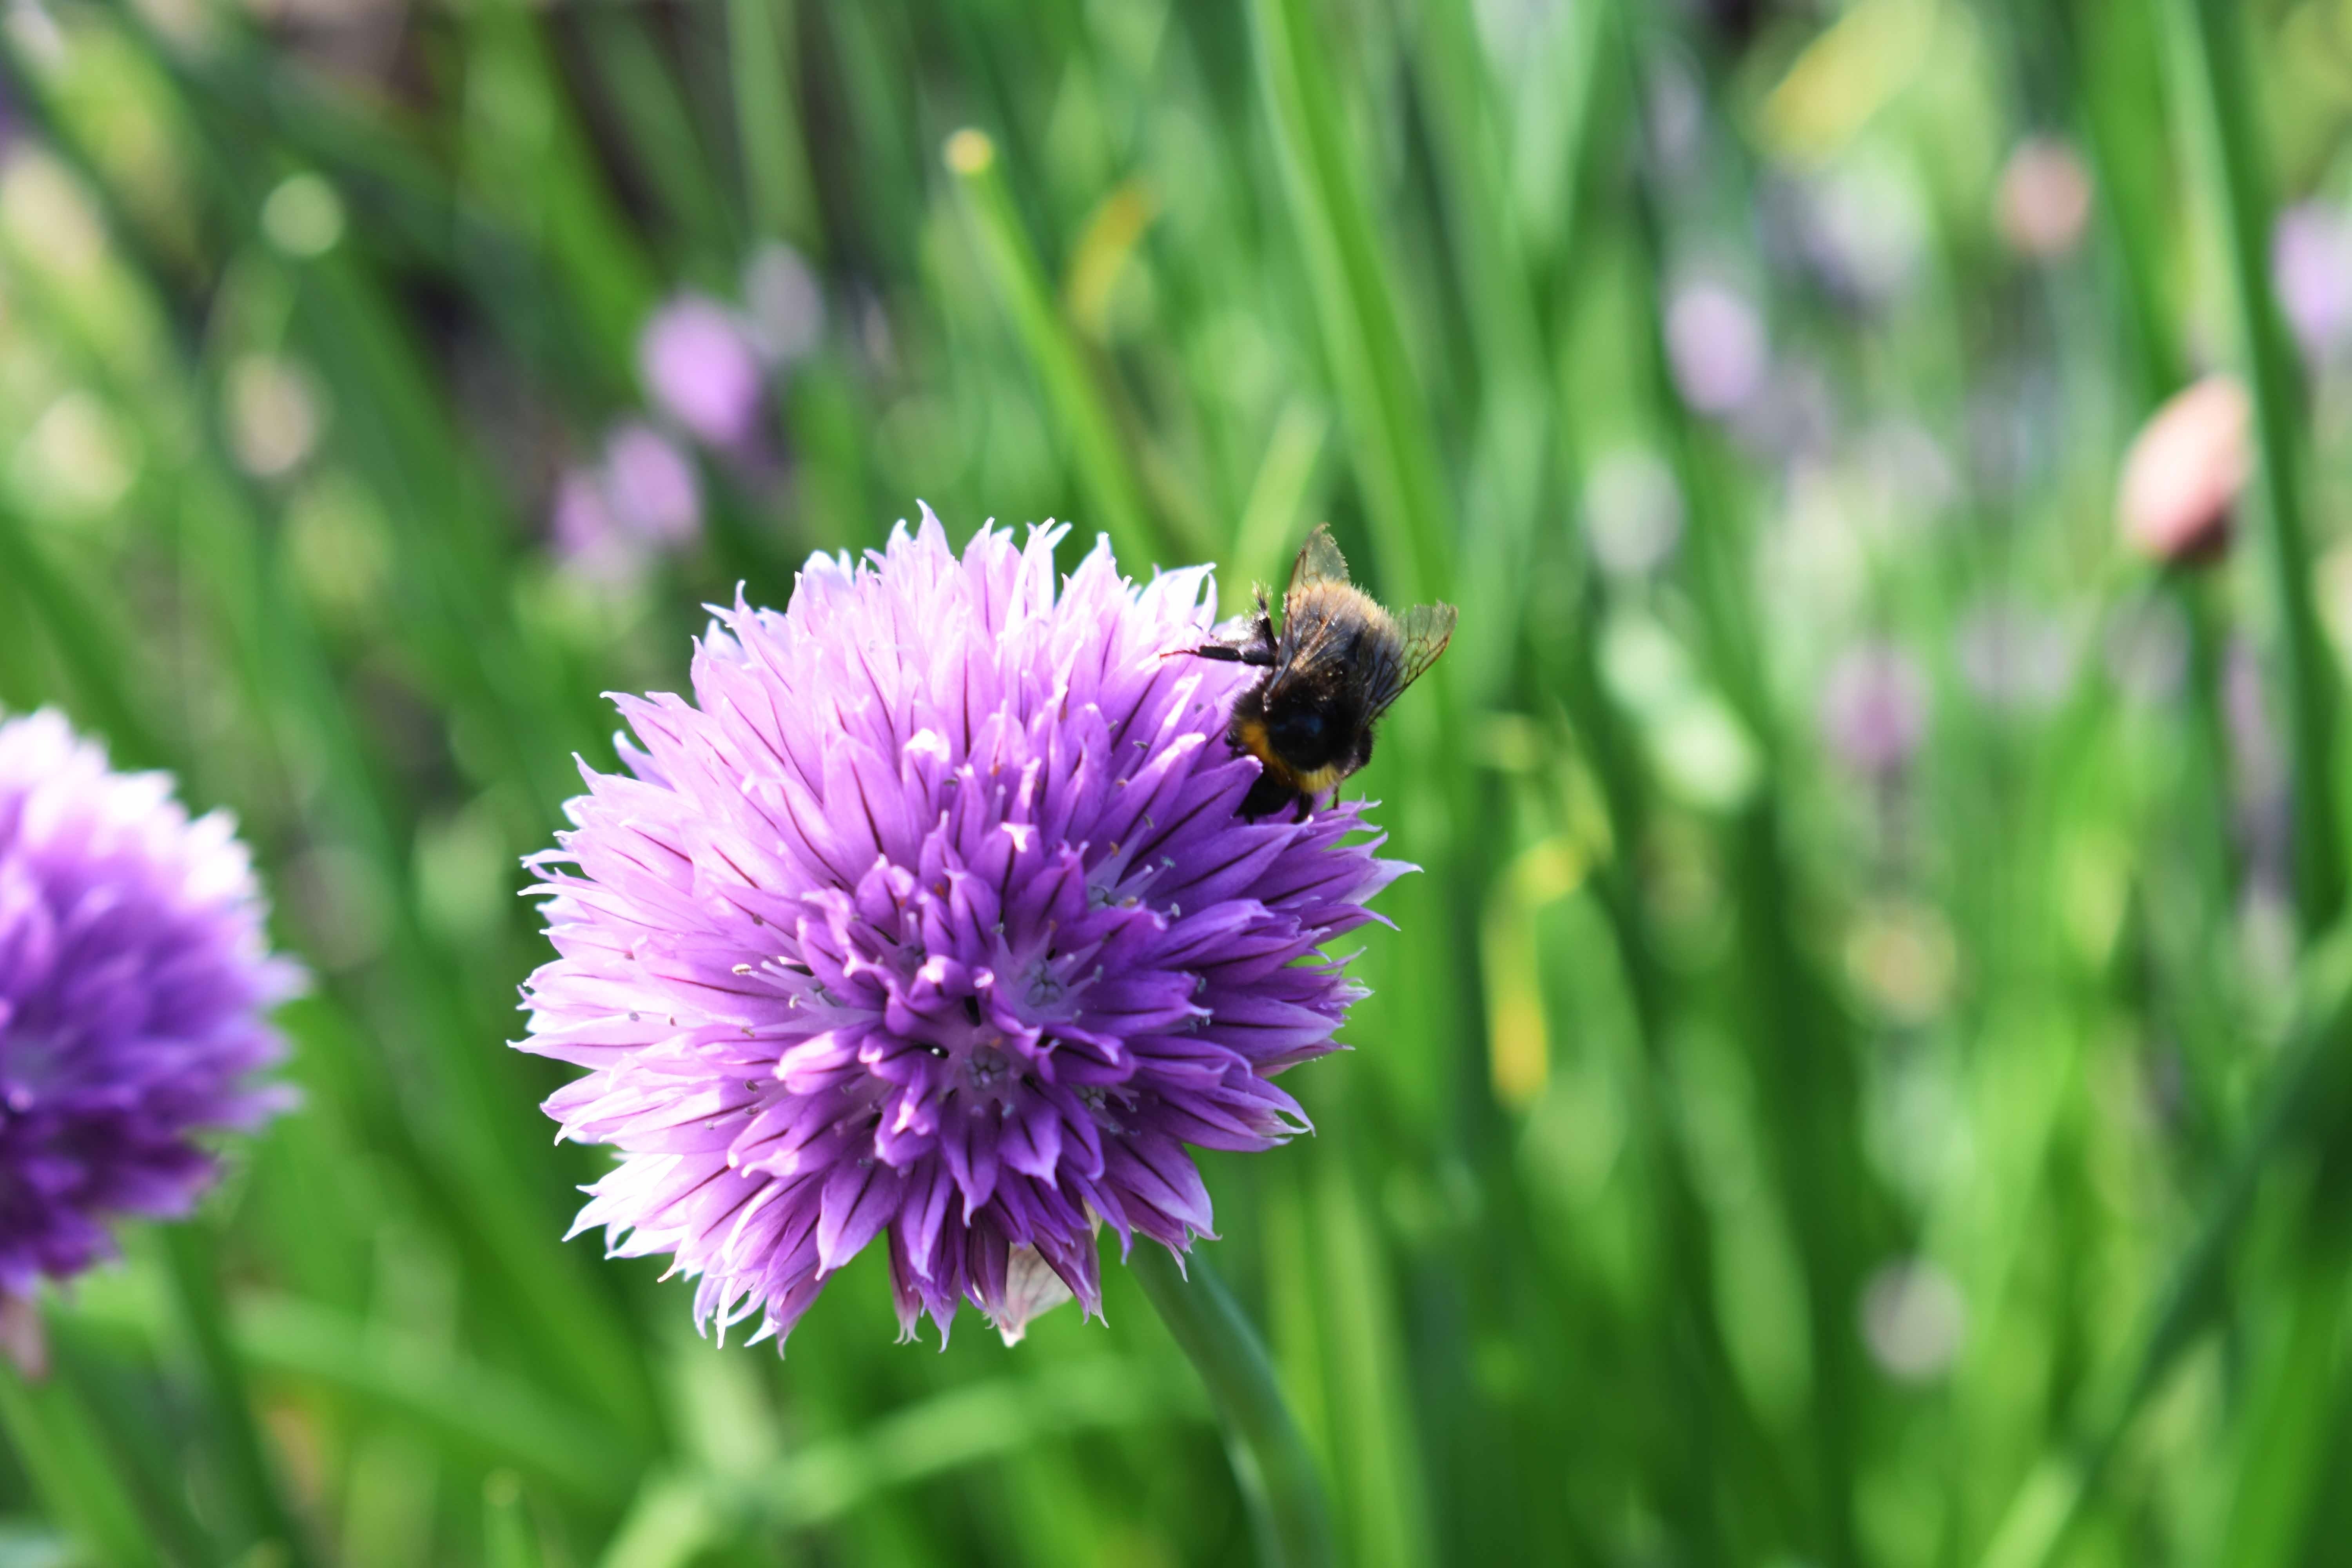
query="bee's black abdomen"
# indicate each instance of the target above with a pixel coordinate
(1266, 797)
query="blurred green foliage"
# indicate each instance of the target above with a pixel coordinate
(1768, 1143)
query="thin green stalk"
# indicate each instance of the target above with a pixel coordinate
(2222, 88)
(195, 1285)
(59, 1443)
(762, 58)
(508, 1539)
(1079, 405)
(1271, 1464)
(1387, 421)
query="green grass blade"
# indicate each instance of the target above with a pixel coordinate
(251, 1471)
(2221, 90)
(1079, 404)
(763, 56)
(476, 1409)
(56, 1439)
(509, 1539)
(1396, 454)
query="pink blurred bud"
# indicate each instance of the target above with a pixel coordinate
(701, 369)
(2185, 470)
(2043, 202)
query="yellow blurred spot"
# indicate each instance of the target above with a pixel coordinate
(1903, 960)
(1103, 252)
(273, 414)
(1518, 1035)
(970, 152)
(1853, 69)
(77, 460)
(46, 213)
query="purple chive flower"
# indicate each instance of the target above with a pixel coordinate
(134, 978)
(2311, 266)
(643, 499)
(1875, 709)
(650, 487)
(699, 364)
(930, 919)
(1716, 347)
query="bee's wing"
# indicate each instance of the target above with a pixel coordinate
(1320, 561)
(1423, 631)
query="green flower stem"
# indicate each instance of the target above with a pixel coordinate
(195, 1285)
(59, 1443)
(1111, 486)
(1270, 1460)
(2217, 82)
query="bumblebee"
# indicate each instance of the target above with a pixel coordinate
(1335, 666)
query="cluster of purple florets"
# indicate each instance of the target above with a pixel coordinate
(134, 980)
(929, 919)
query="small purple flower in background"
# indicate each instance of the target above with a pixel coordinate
(930, 919)
(650, 487)
(2311, 264)
(784, 303)
(701, 369)
(641, 501)
(1875, 709)
(1716, 347)
(2015, 658)
(134, 980)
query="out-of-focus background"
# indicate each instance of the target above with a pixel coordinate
(1858, 1081)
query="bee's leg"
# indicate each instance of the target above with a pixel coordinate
(1225, 653)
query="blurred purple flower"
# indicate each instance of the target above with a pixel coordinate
(2311, 260)
(700, 367)
(1861, 233)
(1715, 346)
(1875, 709)
(609, 523)
(650, 487)
(785, 303)
(134, 980)
(2013, 658)
(931, 919)
(587, 540)
(2147, 651)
